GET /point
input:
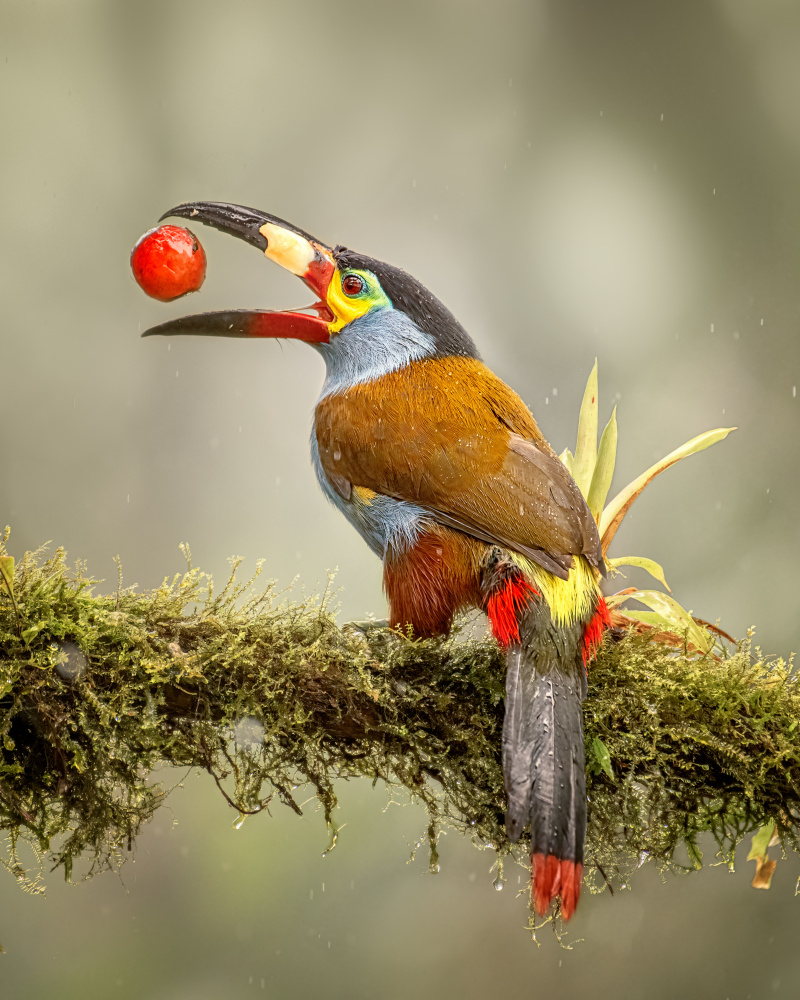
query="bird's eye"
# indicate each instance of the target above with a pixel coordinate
(353, 284)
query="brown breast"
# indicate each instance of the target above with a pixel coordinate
(449, 435)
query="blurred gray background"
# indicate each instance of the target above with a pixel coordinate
(575, 180)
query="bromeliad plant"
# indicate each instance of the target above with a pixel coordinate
(592, 468)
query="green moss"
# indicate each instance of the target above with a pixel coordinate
(96, 692)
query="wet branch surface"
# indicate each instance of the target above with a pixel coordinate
(97, 692)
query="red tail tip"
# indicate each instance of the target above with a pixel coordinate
(553, 877)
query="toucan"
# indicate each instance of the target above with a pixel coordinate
(443, 471)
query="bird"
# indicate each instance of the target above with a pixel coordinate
(444, 472)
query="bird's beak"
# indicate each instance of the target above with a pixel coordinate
(288, 246)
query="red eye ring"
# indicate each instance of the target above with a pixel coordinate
(353, 284)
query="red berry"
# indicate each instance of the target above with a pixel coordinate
(168, 262)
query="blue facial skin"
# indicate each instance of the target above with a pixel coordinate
(380, 342)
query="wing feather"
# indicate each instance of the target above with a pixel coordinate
(435, 437)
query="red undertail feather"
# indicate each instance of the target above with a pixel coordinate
(505, 606)
(553, 877)
(593, 633)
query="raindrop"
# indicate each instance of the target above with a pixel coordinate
(69, 660)
(238, 823)
(248, 732)
(498, 884)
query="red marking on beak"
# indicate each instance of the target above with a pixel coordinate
(293, 325)
(318, 278)
(251, 323)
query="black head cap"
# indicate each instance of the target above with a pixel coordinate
(413, 298)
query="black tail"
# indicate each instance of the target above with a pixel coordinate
(543, 757)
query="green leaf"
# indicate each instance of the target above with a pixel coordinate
(640, 562)
(618, 508)
(568, 459)
(29, 633)
(602, 756)
(673, 615)
(695, 854)
(651, 618)
(604, 467)
(7, 573)
(760, 843)
(765, 868)
(78, 758)
(586, 450)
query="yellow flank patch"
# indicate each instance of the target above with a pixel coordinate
(363, 495)
(569, 600)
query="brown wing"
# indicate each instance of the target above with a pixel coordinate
(448, 435)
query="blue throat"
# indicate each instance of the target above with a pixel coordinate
(381, 341)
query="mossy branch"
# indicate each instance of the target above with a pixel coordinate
(96, 692)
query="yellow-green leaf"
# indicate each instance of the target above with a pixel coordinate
(29, 633)
(695, 854)
(604, 467)
(640, 562)
(760, 842)
(614, 599)
(651, 618)
(676, 618)
(765, 868)
(7, 573)
(568, 459)
(618, 508)
(586, 450)
(602, 756)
